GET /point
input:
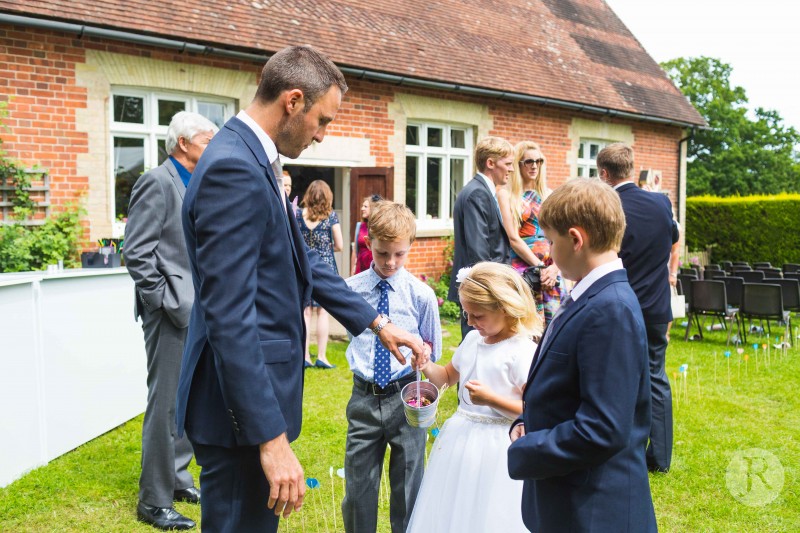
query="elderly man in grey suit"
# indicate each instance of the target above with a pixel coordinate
(477, 224)
(155, 254)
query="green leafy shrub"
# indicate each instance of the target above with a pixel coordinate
(25, 248)
(747, 228)
(441, 286)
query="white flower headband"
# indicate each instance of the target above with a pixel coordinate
(463, 275)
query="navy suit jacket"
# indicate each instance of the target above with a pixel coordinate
(587, 419)
(241, 379)
(646, 245)
(478, 230)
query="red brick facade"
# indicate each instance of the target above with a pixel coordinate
(38, 80)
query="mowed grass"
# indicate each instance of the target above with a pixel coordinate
(94, 488)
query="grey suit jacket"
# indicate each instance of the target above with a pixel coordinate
(155, 249)
(478, 230)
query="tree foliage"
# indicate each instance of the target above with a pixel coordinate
(742, 153)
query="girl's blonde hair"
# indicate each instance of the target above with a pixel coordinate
(515, 184)
(494, 286)
(318, 201)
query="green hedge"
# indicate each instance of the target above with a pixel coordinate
(751, 228)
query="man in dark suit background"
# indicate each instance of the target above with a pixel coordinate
(240, 392)
(477, 225)
(645, 253)
(155, 254)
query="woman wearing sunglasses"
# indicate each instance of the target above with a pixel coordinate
(519, 203)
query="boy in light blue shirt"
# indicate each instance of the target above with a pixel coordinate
(375, 410)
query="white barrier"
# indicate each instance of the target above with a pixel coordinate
(72, 363)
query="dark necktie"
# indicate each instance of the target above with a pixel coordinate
(565, 303)
(383, 365)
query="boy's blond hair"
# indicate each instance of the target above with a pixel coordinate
(617, 160)
(496, 286)
(590, 204)
(391, 222)
(491, 147)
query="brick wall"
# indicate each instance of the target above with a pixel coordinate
(38, 81)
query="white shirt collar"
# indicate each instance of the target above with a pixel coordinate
(489, 183)
(584, 284)
(266, 142)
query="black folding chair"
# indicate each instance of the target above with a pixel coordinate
(686, 285)
(790, 267)
(750, 276)
(727, 266)
(741, 264)
(770, 272)
(690, 270)
(764, 301)
(708, 299)
(714, 274)
(733, 290)
(792, 275)
(790, 290)
(761, 265)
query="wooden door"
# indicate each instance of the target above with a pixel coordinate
(366, 182)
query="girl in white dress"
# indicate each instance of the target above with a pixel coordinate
(466, 487)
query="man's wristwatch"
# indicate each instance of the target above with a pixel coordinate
(381, 324)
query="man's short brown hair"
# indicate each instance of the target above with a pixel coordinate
(391, 222)
(491, 147)
(617, 160)
(299, 67)
(590, 204)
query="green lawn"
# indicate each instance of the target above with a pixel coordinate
(94, 487)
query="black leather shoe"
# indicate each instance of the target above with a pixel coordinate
(165, 518)
(190, 495)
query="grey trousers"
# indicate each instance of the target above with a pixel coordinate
(374, 422)
(164, 456)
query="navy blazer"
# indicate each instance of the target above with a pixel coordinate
(587, 419)
(649, 235)
(478, 230)
(241, 379)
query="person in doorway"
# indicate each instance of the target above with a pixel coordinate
(155, 255)
(322, 232)
(361, 256)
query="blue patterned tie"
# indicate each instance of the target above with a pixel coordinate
(383, 366)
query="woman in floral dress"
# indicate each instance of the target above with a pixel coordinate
(321, 230)
(519, 205)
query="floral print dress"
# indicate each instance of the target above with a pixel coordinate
(548, 300)
(320, 239)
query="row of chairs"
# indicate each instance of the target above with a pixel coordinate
(733, 300)
(715, 271)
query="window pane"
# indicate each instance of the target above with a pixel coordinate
(412, 135)
(580, 150)
(456, 180)
(167, 110)
(129, 109)
(213, 112)
(162, 151)
(592, 172)
(411, 183)
(593, 149)
(434, 136)
(434, 179)
(128, 166)
(458, 139)
(580, 172)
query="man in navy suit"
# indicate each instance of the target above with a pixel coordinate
(645, 252)
(580, 443)
(477, 224)
(240, 391)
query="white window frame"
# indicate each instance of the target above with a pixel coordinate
(446, 153)
(586, 164)
(150, 130)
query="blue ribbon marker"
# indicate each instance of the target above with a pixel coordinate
(435, 432)
(727, 354)
(312, 482)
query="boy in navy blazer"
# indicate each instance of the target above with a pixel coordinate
(580, 443)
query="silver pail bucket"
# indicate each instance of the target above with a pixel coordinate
(419, 415)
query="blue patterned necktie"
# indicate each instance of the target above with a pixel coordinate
(383, 365)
